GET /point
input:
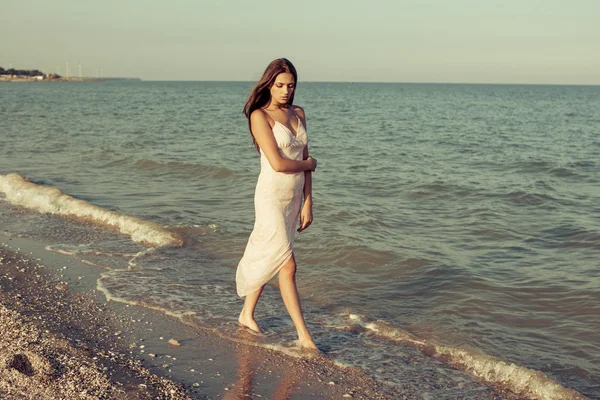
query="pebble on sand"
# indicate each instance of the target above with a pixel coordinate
(174, 342)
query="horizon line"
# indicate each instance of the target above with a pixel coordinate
(393, 82)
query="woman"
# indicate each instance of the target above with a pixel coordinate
(278, 130)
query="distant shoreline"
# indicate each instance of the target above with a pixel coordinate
(35, 79)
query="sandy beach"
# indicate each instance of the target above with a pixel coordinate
(62, 339)
(56, 342)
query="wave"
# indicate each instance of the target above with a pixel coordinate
(83, 249)
(518, 379)
(195, 230)
(138, 303)
(51, 200)
(562, 172)
(184, 169)
(78, 251)
(524, 198)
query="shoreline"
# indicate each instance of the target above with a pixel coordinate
(33, 79)
(123, 350)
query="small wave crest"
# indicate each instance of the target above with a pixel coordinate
(525, 198)
(196, 229)
(81, 249)
(518, 379)
(51, 200)
(183, 169)
(181, 315)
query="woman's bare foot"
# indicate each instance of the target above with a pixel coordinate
(249, 322)
(308, 344)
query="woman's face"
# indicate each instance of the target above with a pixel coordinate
(282, 88)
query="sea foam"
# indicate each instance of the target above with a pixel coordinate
(51, 200)
(516, 378)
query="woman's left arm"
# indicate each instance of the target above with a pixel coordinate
(306, 216)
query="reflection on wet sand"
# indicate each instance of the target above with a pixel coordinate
(243, 388)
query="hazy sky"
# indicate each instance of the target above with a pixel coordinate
(495, 41)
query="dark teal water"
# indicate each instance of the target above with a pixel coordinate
(464, 217)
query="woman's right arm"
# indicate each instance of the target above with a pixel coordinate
(263, 135)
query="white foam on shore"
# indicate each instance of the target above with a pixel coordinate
(110, 297)
(132, 264)
(518, 379)
(82, 249)
(51, 200)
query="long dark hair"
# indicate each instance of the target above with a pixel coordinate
(260, 95)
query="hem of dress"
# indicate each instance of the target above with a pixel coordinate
(270, 276)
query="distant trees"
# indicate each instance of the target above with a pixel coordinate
(21, 72)
(27, 73)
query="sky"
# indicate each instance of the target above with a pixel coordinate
(455, 41)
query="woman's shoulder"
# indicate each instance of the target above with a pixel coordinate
(258, 115)
(299, 111)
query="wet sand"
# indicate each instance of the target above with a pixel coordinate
(62, 339)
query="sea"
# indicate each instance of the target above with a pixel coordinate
(456, 226)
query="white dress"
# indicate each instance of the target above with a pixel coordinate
(277, 202)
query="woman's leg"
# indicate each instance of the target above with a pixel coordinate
(289, 293)
(246, 317)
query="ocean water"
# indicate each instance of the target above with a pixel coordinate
(456, 227)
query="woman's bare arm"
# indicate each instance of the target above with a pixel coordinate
(307, 181)
(307, 174)
(306, 216)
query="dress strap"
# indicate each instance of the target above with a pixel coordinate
(267, 111)
(275, 121)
